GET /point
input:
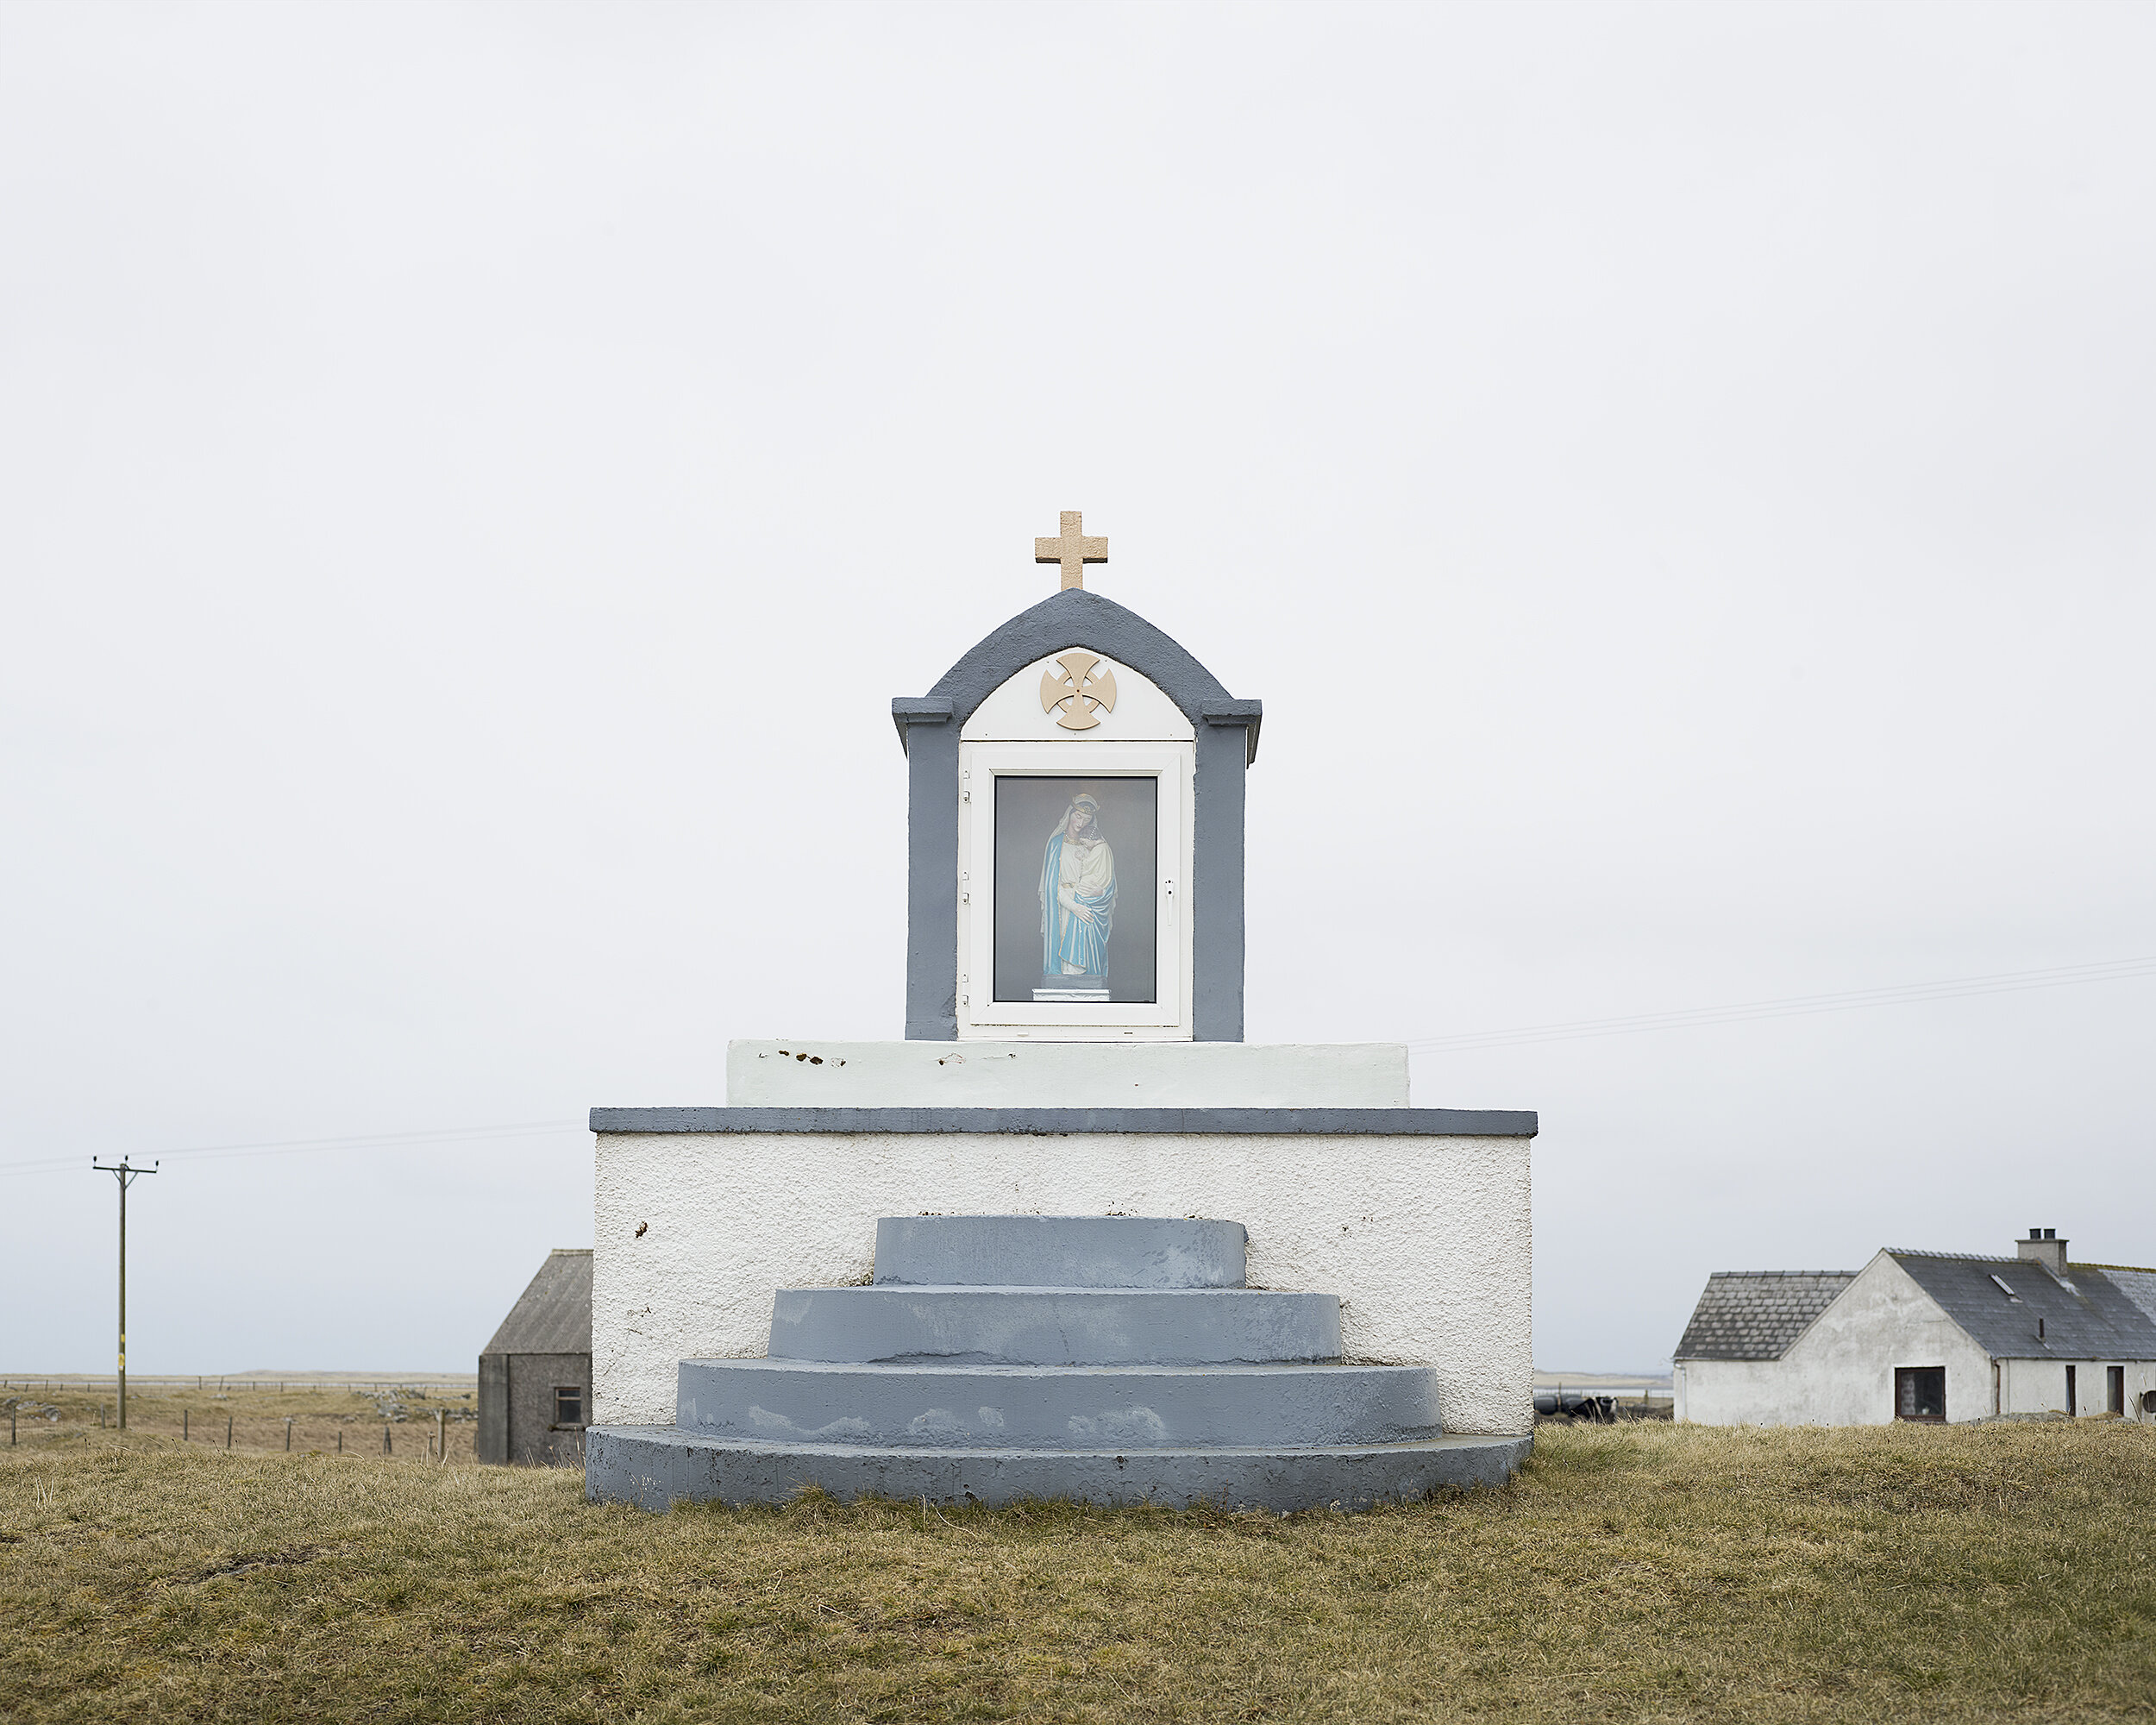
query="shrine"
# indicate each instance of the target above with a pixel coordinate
(1071, 1236)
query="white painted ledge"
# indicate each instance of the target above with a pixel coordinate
(809, 1074)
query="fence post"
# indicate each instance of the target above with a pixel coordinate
(385, 1437)
(228, 1431)
(182, 1425)
(442, 1425)
(288, 1434)
(339, 1441)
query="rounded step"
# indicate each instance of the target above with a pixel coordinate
(1060, 1251)
(1033, 1325)
(658, 1466)
(1045, 1407)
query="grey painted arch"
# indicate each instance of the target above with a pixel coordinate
(929, 728)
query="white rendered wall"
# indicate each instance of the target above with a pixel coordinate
(807, 1074)
(2038, 1386)
(1840, 1372)
(2140, 1378)
(1426, 1240)
(2033, 1386)
(1754, 1392)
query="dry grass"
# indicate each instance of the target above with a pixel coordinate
(1639, 1572)
(338, 1422)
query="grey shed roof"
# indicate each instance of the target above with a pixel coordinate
(555, 1314)
(1756, 1313)
(2087, 1316)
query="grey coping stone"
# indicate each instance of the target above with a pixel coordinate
(1191, 1122)
(1061, 1252)
(1054, 1325)
(1049, 1408)
(655, 1467)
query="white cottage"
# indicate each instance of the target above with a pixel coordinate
(1922, 1335)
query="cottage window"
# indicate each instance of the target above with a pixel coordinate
(2114, 1390)
(1919, 1393)
(2073, 1401)
(568, 1405)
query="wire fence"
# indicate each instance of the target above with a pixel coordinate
(436, 1419)
(91, 1384)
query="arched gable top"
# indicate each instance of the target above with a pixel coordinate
(1077, 618)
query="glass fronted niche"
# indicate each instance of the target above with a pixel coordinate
(1077, 889)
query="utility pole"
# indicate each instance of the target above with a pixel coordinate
(127, 1176)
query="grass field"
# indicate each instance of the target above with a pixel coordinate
(1636, 1572)
(337, 1420)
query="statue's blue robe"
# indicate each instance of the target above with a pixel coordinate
(1066, 939)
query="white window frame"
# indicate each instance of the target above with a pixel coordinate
(1166, 1018)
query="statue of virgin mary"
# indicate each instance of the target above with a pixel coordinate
(1077, 893)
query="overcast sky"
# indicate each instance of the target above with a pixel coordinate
(1678, 477)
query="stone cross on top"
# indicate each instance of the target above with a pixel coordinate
(1073, 550)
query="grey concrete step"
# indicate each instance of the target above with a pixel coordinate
(1060, 1251)
(657, 1466)
(1054, 1325)
(1053, 1408)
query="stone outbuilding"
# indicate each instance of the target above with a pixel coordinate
(1922, 1335)
(535, 1375)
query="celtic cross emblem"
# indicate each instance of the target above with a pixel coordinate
(1074, 688)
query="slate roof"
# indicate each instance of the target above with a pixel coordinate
(2138, 1285)
(2087, 1316)
(555, 1314)
(1756, 1313)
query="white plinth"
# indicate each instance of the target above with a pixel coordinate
(1427, 1240)
(1417, 1219)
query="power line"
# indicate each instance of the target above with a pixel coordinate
(365, 1141)
(1794, 1006)
(1797, 1005)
